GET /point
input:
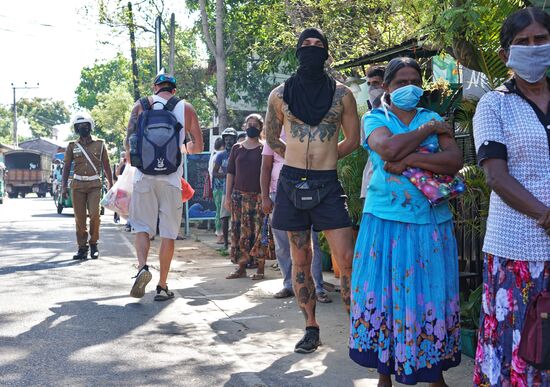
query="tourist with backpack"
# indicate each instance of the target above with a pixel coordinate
(160, 126)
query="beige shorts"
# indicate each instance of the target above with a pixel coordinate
(154, 199)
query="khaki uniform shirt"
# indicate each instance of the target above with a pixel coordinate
(97, 152)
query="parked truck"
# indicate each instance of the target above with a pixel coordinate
(28, 171)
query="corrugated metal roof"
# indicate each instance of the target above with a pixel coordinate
(414, 48)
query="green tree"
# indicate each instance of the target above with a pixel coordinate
(469, 31)
(97, 79)
(111, 114)
(6, 125)
(194, 76)
(262, 35)
(42, 114)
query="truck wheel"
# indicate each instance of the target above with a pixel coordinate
(59, 208)
(22, 194)
(12, 195)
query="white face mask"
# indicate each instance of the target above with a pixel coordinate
(530, 63)
(374, 94)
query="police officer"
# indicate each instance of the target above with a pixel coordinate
(90, 158)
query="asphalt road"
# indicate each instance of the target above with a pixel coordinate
(71, 323)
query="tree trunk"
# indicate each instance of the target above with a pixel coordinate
(217, 50)
(220, 66)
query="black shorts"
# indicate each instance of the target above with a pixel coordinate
(331, 213)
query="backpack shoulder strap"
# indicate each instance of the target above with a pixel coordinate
(145, 105)
(171, 103)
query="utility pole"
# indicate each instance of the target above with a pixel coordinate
(158, 48)
(172, 44)
(133, 53)
(14, 88)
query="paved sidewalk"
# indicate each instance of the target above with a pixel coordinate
(328, 366)
(72, 323)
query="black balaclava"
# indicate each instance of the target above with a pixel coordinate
(310, 91)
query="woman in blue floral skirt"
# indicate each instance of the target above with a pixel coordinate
(404, 299)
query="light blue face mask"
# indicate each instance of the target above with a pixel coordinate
(530, 63)
(407, 97)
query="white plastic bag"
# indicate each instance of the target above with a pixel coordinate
(119, 196)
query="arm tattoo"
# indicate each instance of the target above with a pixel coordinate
(274, 126)
(300, 239)
(132, 124)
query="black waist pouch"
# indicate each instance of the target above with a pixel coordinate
(306, 194)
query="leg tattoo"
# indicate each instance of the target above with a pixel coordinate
(300, 239)
(345, 284)
(301, 277)
(304, 287)
(303, 295)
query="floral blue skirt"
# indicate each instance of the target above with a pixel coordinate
(508, 287)
(405, 300)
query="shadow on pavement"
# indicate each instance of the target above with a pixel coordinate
(52, 348)
(54, 214)
(43, 265)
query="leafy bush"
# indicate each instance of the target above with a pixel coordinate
(350, 171)
(470, 308)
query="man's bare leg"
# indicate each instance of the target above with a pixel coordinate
(302, 280)
(166, 253)
(142, 248)
(143, 276)
(341, 247)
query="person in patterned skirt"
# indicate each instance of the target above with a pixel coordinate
(243, 198)
(512, 137)
(404, 283)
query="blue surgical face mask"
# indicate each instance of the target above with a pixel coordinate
(407, 97)
(530, 63)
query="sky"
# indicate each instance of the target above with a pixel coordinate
(48, 42)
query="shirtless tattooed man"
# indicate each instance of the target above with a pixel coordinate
(312, 108)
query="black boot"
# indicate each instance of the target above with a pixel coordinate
(94, 252)
(81, 254)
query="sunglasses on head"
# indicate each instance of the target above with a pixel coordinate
(165, 78)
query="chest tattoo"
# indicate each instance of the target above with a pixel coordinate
(326, 130)
(323, 131)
